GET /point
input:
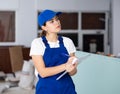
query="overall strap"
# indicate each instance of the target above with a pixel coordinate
(60, 40)
(45, 42)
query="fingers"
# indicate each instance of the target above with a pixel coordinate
(69, 66)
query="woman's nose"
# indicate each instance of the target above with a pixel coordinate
(57, 21)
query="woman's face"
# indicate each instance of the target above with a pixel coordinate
(53, 25)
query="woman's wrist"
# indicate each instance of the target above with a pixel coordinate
(64, 66)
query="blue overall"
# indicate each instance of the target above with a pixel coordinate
(53, 57)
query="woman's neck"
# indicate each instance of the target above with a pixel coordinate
(52, 38)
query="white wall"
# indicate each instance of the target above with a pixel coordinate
(9, 4)
(75, 5)
(116, 26)
(26, 22)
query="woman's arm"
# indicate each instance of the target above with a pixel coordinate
(46, 71)
(49, 71)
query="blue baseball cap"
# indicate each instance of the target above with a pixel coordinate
(46, 15)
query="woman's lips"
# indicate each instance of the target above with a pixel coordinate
(59, 26)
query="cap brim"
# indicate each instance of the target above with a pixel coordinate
(58, 13)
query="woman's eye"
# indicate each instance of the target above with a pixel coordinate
(56, 18)
(52, 21)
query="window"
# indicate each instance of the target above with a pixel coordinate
(69, 20)
(7, 26)
(93, 43)
(93, 21)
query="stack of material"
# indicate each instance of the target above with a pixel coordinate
(2, 75)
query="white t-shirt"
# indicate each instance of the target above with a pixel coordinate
(38, 47)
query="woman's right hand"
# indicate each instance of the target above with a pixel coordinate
(69, 66)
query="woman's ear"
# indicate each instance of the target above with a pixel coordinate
(44, 28)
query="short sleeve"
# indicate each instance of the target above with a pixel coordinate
(37, 47)
(69, 45)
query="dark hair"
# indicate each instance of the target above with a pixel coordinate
(43, 33)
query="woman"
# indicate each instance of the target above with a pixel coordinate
(52, 55)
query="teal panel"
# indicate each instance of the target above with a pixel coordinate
(97, 74)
